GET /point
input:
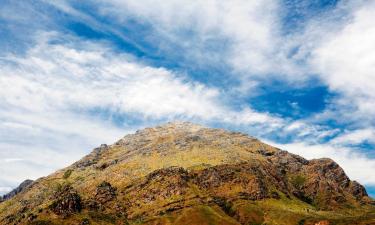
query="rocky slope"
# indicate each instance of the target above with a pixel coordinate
(181, 173)
(17, 190)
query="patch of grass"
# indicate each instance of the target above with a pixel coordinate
(247, 212)
(67, 174)
(138, 221)
(204, 215)
(41, 222)
(298, 181)
(225, 205)
(97, 216)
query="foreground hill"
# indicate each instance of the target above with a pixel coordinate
(182, 173)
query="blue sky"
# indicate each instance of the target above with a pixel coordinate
(299, 75)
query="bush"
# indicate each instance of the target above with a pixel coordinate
(67, 174)
(298, 181)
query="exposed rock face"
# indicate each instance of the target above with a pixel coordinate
(105, 193)
(182, 173)
(66, 202)
(246, 181)
(92, 158)
(357, 190)
(158, 188)
(320, 180)
(17, 190)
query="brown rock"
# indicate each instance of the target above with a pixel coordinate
(66, 202)
(105, 193)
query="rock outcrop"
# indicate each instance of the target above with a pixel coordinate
(66, 202)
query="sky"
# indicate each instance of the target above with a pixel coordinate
(297, 74)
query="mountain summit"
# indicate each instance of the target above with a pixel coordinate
(182, 173)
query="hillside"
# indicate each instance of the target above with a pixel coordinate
(182, 173)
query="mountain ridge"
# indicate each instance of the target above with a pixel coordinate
(24, 184)
(181, 172)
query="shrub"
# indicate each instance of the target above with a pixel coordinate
(67, 174)
(298, 181)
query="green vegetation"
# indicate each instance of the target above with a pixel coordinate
(102, 217)
(298, 181)
(67, 173)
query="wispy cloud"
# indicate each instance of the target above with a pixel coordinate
(245, 35)
(355, 137)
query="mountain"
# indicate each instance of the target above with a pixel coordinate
(182, 173)
(17, 190)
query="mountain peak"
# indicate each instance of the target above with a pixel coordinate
(176, 126)
(184, 173)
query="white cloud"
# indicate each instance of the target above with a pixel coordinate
(246, 35)
(346, 61)
(61, 77)
(355, 137)
(64, 79)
